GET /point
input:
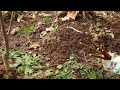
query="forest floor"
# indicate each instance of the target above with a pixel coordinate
(58, 53)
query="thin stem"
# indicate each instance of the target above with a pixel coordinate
(57, 17)
(11, 19)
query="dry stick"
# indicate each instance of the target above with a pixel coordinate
(104, 52)
(89, 47)
(101, 51)
(92, 42)
(83, 13)
(9, 30)
(97, 56)
(106, 55)
(5, 55)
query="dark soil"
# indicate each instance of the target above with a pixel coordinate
(60, 44)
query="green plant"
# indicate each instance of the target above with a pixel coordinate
(28, 66)
(66, 71)
(29, 29)
(7, 15)
(88, 71)
(16, 55)
(25, 63)
(47, 20)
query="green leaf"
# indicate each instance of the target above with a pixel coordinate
(21, 69)
(47, 19)
(37, 67)
(28, 71)
(92, 75)
(28, 29)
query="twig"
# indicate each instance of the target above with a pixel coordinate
(9, 30)
(83, 13)
(75, 29)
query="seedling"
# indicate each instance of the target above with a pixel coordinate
(29, 29)
(47, 20)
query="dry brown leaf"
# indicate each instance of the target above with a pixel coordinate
(20, 18)
(112, 35)
(33, 46)
(70, 15)
(34, 15)
(45, 15)
(15, 30)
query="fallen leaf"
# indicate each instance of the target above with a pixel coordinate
(49, 29)
(15, 30)
(19, 18)
(59, 66)
(65, 18)
(70, 15)
(45, 15)
(33, 46)
(39, 23)
(73, 14)
(43, 33)
(34, 15)
(112, 35)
